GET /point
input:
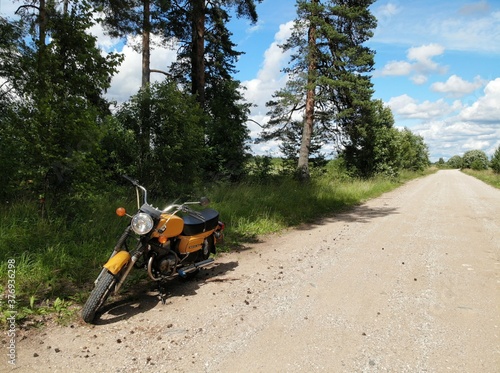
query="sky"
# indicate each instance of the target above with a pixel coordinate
(437, 66)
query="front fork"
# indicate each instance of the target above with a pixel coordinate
(120, 259)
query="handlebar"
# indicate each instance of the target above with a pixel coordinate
(137, 187)
(134, 182)
(204, 201)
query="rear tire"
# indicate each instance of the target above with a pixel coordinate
(98, 296)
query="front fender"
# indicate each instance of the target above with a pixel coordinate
(117, 262)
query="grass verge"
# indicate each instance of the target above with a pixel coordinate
(488, 176)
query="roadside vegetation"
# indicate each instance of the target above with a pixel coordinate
(488, 176)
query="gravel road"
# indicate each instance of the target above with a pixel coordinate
(408, 282)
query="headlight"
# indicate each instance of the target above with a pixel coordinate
(142, 223)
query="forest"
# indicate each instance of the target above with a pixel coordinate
(64, 145)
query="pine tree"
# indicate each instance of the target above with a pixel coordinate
(206, 64)
(328, 83)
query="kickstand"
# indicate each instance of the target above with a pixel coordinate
(162, 288)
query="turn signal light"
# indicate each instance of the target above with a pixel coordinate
(162, 239)
(120, 211)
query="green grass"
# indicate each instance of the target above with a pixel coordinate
(54, 258)
(488, 176)
(57, 260)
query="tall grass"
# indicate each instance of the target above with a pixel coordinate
(58, 258)
(488, 176)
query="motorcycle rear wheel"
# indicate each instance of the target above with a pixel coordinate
(98, 296)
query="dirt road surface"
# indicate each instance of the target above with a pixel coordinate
(408, 282)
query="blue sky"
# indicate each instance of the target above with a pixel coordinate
(437, 67)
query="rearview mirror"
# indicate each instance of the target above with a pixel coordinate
(204, 201)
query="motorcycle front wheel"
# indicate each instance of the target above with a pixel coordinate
(98, 296)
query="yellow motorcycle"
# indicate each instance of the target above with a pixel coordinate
(175, 241)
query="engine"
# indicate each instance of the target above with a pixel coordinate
(162, 262)
(165, 265)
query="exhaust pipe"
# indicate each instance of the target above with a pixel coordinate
(184, 271)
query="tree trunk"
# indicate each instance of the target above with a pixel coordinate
(198, 53)
(145, 139)
(303, 164)
(42, 33)
(146, 31)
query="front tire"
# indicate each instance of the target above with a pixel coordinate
(98, 296)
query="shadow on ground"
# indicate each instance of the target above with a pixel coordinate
(145, 295)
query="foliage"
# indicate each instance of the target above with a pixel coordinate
(383, 149)
(206, 51)
(374, 149)
(56, 257)
(55, 126)
(126, 17)
(495, 161)
(475, 159)
(261, 168)
(206, 65)
(455, 162)
(290, 145)
(172, 145)
(226, 134)
(414, 152)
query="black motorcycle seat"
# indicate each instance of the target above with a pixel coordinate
(207, 220)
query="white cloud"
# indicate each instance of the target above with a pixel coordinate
(254, 27)
(425, 52)
(450, 137)
(472, 127)
(269, 78)
(420, 64)
(419, 79)
(396, 68)
(487, 107)
(472, 33)
(455, 86)
(260, 90)
(423, 58)
(8, 8)
(386, 14)
(104, 41)
(409, 108)
(128, 80)
(387, 10)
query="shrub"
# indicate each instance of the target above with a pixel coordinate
(475, 159)
(455, 162)
(495, 161)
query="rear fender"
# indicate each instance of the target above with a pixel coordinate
(117, 262)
